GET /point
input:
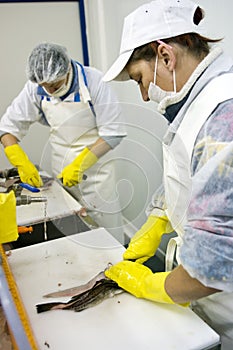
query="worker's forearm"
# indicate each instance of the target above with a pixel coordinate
(8, 140)
(182, 288)
(100, 147)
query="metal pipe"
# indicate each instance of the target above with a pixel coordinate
(24, 199)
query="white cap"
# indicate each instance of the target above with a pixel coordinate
(159, 19)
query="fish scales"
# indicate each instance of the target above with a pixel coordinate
(102, 290)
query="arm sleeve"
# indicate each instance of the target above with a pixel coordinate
(157, 203)
(22, 113)
(109, 116)
(113, 141)
(207, 249)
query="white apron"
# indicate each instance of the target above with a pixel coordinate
(72, 128)
(217, 310)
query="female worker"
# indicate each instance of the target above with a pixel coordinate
(85, 123)
(163, 50)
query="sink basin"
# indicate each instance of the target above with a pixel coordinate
(56, 228)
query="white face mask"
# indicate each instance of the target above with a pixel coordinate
(64, 88)
(157, 94)
(61, 91)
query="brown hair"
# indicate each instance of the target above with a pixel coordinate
(194, 43)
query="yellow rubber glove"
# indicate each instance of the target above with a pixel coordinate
(145, 242)
(140, 281)
(27, 171)
(8, 227)
(72, 174)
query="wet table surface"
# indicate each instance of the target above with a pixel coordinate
(59, 203)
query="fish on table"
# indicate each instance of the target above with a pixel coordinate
(84, 296)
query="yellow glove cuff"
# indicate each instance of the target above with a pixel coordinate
(8, 227)
(154, 287)
(15, 154)
(85, 159)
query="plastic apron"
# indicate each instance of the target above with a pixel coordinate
(72, 128)
(217, 310)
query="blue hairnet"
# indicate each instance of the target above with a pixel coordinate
(48, 62)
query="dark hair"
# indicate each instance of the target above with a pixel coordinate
(194, 43)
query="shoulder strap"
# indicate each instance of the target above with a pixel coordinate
(84, 86)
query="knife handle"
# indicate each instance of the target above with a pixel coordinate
(29, 187)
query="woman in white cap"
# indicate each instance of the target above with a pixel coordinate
(85, 122)
(191, 79)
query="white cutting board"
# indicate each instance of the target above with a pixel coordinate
(122, 322)
(59, 203)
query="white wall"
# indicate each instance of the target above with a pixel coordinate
(23, 25)
(142, 147)
(218, 21)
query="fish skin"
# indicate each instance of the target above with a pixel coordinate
(102, 289)
(69, 292)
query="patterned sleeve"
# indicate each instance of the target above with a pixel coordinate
(207, 249)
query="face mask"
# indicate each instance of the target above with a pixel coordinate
(64, 88)
(61, 91)
(157, 94)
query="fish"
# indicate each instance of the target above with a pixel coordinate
(102, 289)
(97, 289)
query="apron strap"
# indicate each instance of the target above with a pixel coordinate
(170, 252)
(84, 86)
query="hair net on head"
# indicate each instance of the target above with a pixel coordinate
(47, 63)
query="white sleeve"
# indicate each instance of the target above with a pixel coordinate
(22, 112)
(109, 117)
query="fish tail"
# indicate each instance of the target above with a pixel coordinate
(45, 307)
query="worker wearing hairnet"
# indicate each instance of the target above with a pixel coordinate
(174, 64)
(85, 123)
